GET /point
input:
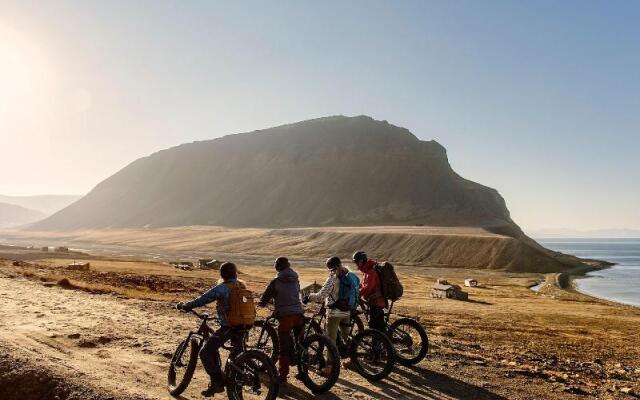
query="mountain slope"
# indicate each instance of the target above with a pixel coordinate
(11, 215)
(321, 172)
(47, 204)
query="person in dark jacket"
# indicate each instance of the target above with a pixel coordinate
(210, 353)
(284, 290)
(371, 290)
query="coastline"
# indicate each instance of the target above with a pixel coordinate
(574, 288)
(567, 282)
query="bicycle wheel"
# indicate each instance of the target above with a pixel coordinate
(251, 376)
(183, 364)
(318, 363)
(263, 337)
(409, 340)
(372, 354)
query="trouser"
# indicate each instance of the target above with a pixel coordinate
(287, 325)
(335, 323)
(210, 352)
(376, 318)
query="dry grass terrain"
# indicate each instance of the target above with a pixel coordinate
(107, 333)
(459, 247)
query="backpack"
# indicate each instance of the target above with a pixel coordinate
(390, 284)
(242, 306)
(348, 293)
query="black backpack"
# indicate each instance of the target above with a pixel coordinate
(390, 284)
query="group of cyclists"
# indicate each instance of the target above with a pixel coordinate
(340, 295)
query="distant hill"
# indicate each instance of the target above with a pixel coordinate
(334, 171)
(13, 215)
(47, 204)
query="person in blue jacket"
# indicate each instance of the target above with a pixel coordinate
(210, 353)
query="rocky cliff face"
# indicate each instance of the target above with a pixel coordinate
(321, 172)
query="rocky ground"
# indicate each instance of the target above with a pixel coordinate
(108, 333)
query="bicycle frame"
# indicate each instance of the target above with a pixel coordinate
(322, 313)
(387, 313)
(204, 331)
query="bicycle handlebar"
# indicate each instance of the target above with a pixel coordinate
(203, 316)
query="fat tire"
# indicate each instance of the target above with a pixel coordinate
(231, 374)
(272, 334)
(335, 367)
(177, 389)
(424, 349)
(389, 349)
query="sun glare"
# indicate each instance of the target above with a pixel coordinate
(24, 79)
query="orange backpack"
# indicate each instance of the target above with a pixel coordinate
(242, 306)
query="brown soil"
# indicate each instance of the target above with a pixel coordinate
(108, 333)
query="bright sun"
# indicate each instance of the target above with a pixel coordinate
(24, 79)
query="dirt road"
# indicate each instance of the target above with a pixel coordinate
(104, 346)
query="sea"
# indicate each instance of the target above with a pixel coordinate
(619, 283)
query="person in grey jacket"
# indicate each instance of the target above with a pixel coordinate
(284, 290)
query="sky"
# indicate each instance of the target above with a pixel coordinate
(539, 100)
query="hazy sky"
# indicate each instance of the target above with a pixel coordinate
(539, 100)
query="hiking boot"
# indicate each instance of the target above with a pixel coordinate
(213, 389)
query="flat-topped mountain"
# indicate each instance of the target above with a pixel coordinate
(334, 171)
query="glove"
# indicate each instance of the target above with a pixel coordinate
(180, 306)
(305, 299)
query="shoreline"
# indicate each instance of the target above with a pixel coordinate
(574, 288)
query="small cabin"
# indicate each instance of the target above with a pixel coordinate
(78, 266)
(207, 263)
(44, 248)
(176, 263)
(448, 291)
(306, 288)
(469, 282)
(183, 265)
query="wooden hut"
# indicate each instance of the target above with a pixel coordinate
(206, 263)
(78, 266)
(443, 290)
(470, 282)
(183, 265)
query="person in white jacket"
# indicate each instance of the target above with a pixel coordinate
(329, 294)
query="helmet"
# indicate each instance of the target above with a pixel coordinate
(333, 262)
(359, 256)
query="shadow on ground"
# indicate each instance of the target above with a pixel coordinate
(408, 383)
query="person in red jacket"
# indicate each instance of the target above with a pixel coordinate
(371, 290)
